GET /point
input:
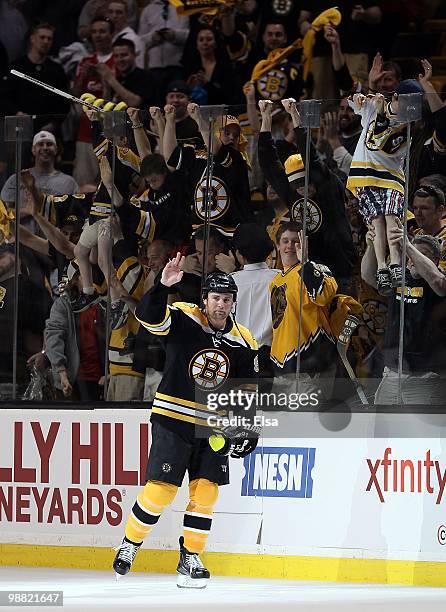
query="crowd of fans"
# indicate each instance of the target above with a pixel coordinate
(95, 216)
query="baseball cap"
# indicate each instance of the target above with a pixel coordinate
(179, 86)
(409, 86)
(43, 135)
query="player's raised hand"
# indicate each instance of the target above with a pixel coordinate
(173, 271)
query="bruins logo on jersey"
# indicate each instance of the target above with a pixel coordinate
(375, 316)
(314, 214)
(209, 368)
(2, 296)
(282, 7)
(388, 140)
(219, 199)
(273, 85)
(278, 304)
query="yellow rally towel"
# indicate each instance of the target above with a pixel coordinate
(208, 7)
(329, 17)
(275, 58)
(6, 216)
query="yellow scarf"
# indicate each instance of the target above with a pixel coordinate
(208, 7)
(329, 17)
(274, 58)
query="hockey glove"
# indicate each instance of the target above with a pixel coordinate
(236, 442)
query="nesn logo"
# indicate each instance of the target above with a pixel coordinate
(279, 472)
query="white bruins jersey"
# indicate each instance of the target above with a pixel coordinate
(199, 359)
(378, 160)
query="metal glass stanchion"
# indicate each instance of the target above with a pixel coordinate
(310, 117)
(209, 114)
(115, 126)
(18, 129)
(409, 109)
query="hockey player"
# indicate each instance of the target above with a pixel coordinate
(204, 347)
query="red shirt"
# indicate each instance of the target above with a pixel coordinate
(90, 84)
(90, 365)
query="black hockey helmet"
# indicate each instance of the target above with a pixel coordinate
(220, 282)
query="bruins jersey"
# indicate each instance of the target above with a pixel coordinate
(281, 81)
(316, 337)
(169, 210)
(57, 208)
(127, 165)
(230, 192)
(378, 160)
(199, 359)
(122, 339)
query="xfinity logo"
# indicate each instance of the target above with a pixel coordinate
(279, 472)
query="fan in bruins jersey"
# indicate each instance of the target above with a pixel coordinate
(329, 235)
(204, 349)
(317, 340)
(230, 192)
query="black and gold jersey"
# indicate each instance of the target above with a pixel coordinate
(230, 192)
(199, 359)
(316, 337)
(170, 207)
(57, 208)
(126, 166)
(123, 338)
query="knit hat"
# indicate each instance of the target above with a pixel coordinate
(295, 170)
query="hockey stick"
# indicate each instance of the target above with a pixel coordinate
(56, 91)
(351, 323)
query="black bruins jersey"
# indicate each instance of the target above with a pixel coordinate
(57, 208)
(230, 192)
(126, 166)
(317, 339)
(199, 359)
(169, 209)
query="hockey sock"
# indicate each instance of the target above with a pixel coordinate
(147, 509)
(197, 523)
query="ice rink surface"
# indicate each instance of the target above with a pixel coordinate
(94, 590)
